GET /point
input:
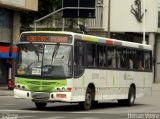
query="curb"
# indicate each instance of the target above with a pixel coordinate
(6, 93)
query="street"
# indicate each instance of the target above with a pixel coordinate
(25, 109)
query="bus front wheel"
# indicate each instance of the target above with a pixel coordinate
(40, 105)
(86, 105)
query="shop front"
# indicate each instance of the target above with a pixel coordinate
(7, 64)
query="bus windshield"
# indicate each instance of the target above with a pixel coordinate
(44, 60)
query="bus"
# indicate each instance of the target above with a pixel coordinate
(59, 66)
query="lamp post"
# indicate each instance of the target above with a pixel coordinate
(109, 17)
(144, 22)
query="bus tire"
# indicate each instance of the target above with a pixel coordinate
(86, 105)
(131, 98)
(94, 104)
(40, 105)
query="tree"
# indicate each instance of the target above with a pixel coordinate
(44, 7)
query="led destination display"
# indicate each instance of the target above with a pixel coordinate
(41, 37)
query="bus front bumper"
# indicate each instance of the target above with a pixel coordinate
(43, 96)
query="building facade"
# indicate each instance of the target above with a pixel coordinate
(157, 47)
(9, 33)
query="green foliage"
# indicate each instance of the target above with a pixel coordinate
(44, 7)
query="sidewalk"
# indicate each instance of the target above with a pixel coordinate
(156, 87)
(5, 92)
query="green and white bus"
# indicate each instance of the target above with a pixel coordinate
(56, 66)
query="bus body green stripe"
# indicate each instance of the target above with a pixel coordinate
(40, 85)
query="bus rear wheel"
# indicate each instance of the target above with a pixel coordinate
(131, 98)
(40, 105)
(86, 105)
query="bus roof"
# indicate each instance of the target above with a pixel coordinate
(98, 39)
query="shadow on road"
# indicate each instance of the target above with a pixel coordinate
(76, 107)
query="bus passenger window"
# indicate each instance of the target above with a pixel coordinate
(79, 56)
(140, 66)
(130, 59)
(121, 58)
(78, 59)
(91, 55)
(140, 60)
(130, 63)
(101, 57)
(147, 60)
(111, 57)
(118, 59)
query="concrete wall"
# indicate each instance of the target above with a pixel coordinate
(6, 19)
(157, 64)
(123, 20)
(12, 9)
(16, 26)
(20, 4)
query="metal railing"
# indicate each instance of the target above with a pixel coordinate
(56, 20)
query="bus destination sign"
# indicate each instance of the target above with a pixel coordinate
(45, 37)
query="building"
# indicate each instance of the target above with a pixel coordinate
(157, 47)
(9, 33)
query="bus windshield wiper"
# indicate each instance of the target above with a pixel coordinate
(55, 52)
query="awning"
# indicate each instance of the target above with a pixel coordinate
(8, 52)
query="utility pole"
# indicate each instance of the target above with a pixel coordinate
(144, 22)
(109, 17)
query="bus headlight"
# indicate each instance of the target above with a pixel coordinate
(20, 87)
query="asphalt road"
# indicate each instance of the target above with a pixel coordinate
(25, 109)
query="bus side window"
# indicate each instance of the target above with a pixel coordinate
(121, 58)
(111, 57)
(147, 60)
(134, 59)
(118, 59)
(79, 56)
(101, 55)
(91, 55)
(140, 60)
(130, 59)
(78, 59)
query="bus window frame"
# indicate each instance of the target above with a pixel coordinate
(105, 67)
(74, 60)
